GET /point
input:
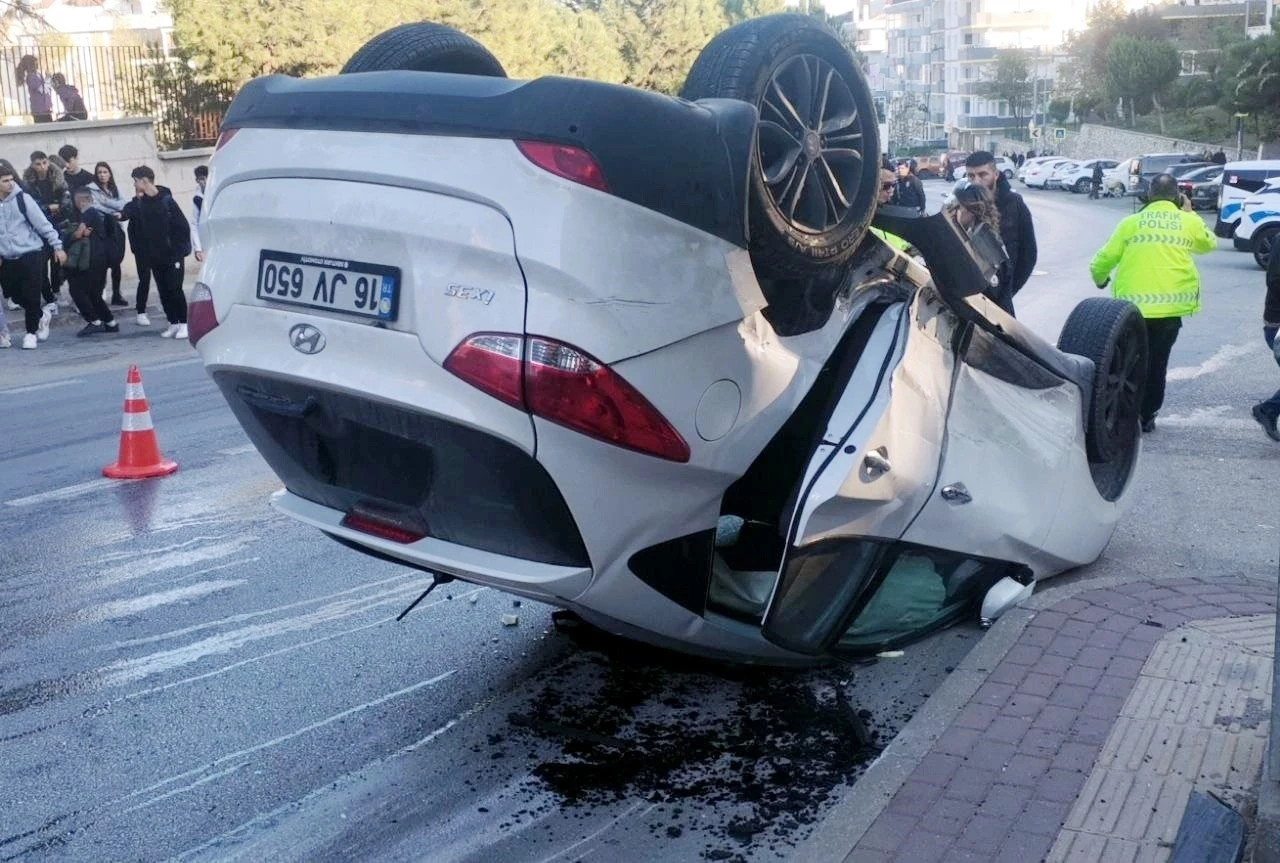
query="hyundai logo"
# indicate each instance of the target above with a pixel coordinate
(306, 339)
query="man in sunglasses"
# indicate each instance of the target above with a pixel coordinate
(889, 185)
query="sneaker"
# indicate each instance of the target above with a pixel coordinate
(51, 309)
(1267, 421)
(29, 342)
(5, 341)
(170, 332)
(1148, 425)
(11, 305)
(119, 301)
(113, 327)
(92, 329)
(182, 332)
(42, 331)
(143, 320)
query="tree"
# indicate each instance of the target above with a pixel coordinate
(1010, 82)
(1059, 110)
(1139, 68)
(1251, 76)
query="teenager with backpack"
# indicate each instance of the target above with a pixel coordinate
(24, 231)
(86, 240)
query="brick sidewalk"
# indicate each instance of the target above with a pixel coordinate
(1003, 776)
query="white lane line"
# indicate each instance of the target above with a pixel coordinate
(38, 387)
(275, 741)
(1223, 358)
(64, 493)
(238, 450)
(175, 792)
(564, 854)
(240, 831)
(128, 607)
(283, 650)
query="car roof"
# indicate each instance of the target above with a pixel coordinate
(1265, 164)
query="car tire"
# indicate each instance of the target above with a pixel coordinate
(1081, 186)
(1112, 334)
(1264, 244)
(424, 47)
(814, 174)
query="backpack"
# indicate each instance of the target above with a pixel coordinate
(22, 208)
(113, 239)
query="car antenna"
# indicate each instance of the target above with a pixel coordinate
(437, 579)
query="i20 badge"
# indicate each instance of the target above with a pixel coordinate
(306, 339)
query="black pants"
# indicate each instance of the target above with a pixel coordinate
(144, 285)
(1161, 334)
(51, 278)
(114, 270)
(86, 288)
(23, 278)
(169, 286)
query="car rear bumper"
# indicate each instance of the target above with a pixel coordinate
(1225, 230)
(454, 484)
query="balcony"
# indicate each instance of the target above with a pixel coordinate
(977, 52)
(970, 121)
(1038, 20)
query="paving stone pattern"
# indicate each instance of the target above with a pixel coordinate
(1001, 781)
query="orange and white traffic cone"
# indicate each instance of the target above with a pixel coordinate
(139, 450)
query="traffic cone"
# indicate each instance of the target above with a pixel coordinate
(139, 450)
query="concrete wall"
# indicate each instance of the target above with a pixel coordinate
(1093, 141)
(123, 144)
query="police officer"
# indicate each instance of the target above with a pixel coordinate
(1150, 253)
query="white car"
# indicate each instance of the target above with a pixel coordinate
(1037, 176)
(1062, 169)
(1079, 176)
(1006, 166)
(1259, 222)
(1028, 164)
(515, 333)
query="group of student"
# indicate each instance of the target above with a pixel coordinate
(60, 222)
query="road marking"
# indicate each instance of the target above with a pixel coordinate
(37, 387)
(65, 493)
(1210, 417)
(238, 450)
(127, 607)
(1223, 358)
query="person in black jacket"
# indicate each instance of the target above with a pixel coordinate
(1016, 228)
(163, 241)
(1266, 412)
(86, 239)
(910, 189)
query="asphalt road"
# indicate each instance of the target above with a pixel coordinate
(186, 675)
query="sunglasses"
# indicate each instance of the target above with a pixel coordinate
(886, 187)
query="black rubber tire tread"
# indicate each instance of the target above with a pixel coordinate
(1269, 231)
(1082, 185)
(425, 47)
(1092, 330)
(737, 64)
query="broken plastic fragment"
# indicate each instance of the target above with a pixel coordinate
(510, 619)
(889, 654)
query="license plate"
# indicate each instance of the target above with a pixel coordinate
(317, 282)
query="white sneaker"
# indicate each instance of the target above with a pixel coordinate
(51, 309)
(42, 331)
(143, 320)
(11, 305)
(5, 341)
(170, 332)
(181, 333)
(29, 342)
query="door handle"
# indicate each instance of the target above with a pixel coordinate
(956, 493)
(876, 462)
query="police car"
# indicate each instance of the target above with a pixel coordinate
(1259, 222)
(1240, 180)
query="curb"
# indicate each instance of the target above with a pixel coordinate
(852, 816)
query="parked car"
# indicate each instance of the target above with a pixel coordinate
(1241, 180)
(502, 343)
(1061, 169)
(1006, 166)
(1037, 176)
(1028, 164)
(1079, 178)
(1201, 186)
(1260, 222)
(1143, 168)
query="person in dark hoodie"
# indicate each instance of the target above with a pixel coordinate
(1016, 228)
(161, 238)
(86, 239)
(73, 106)
(1266, 412)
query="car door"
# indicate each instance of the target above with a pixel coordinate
(929, 498)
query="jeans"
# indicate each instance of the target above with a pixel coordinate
(1271, 406)
(1161, 334)
(169, 278)
(23, 278)
(86, 292)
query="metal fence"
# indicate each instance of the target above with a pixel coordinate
(123, 81)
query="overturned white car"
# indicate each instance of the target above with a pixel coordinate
(640, 357)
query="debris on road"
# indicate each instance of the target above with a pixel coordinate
(510, 619)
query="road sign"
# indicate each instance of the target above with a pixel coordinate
(1060, 134)
(1035, 134)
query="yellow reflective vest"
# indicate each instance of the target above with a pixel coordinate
(1151, 254)
(892, 239)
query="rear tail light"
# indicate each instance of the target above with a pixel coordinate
(384, 526)
(201, 318)
(572, 163)
(564, 385)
